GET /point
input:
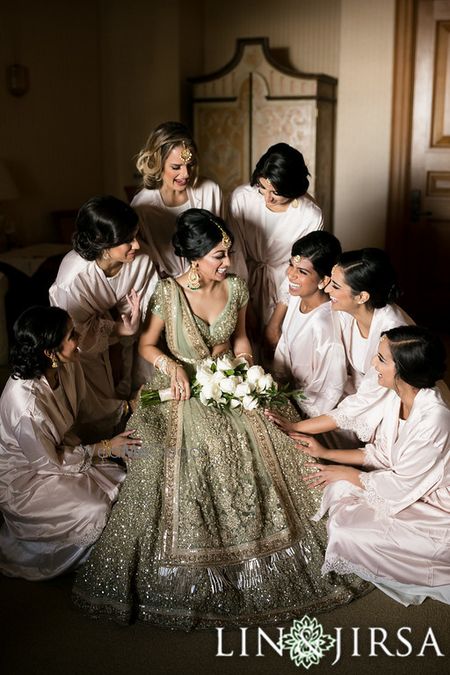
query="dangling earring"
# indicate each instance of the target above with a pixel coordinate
(105, 255)
(320, 286)
(294, 203)
(54, 360)
(193, 280)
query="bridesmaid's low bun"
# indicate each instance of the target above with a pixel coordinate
(37, 329)
(102, 223)
(418, 354)
(370, 270)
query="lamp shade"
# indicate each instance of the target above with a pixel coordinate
(8, 188)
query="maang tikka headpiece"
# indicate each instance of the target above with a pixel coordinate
(226, 240)
(185, 153)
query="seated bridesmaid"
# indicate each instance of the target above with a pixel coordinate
(54, 496)
(390, 522)
(310, 352)
(105, 284)
(362, 291)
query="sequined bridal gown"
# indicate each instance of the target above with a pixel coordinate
(212, 526)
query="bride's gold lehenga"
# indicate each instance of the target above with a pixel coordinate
(212, 526)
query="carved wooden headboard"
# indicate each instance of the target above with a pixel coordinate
(253, 102)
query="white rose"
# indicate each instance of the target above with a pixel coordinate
(228, 384)
(264, 382)
(225, 363)
(211, 391)
(242, 389)
(204, 375)
(218, 376)
(254, 373)
(249, 402)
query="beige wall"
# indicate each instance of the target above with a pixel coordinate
(50, 137)
(104, 72)
(140, 46)
(363, 122)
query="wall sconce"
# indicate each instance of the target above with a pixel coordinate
(17, 79)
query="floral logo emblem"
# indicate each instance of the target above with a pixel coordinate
(306, 642)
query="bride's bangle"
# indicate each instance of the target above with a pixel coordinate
(245, 354)
(164, 364)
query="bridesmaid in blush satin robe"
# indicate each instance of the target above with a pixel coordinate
(54, 495)
(168, 164)
(269, 214)
(389, 521)
(105, 284)
(310, 352)
(362, 291)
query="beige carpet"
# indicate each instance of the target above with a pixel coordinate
(42, 633)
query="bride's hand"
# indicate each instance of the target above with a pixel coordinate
(281, 422)
(179, 384)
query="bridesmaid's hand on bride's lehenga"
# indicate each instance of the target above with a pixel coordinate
(284, 424)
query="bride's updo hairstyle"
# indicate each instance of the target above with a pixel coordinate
(321, 248)
(102, 223)
(418, 354)
(197, 232)
(370, 270)
(36, 329)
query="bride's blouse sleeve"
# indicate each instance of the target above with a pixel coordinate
(241, 292)
(156, 304)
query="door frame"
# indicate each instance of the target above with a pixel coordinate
(398, 210)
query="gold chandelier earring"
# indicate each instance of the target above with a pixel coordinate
(193, 279)
(54, 360)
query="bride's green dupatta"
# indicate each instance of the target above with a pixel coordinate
(182, 334)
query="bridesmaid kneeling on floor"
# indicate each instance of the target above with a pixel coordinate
(54, 496)
(389, 522)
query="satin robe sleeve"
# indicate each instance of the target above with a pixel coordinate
(95, 330)
(327, 376)
(362, 412)
(46, 452)
(239, 264)
(417, 469)
(315, 358)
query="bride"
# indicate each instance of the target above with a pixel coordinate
(212, 526)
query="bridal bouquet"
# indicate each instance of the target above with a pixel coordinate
(228, 382)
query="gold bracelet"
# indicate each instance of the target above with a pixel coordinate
(105, 450)
(126, 408)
